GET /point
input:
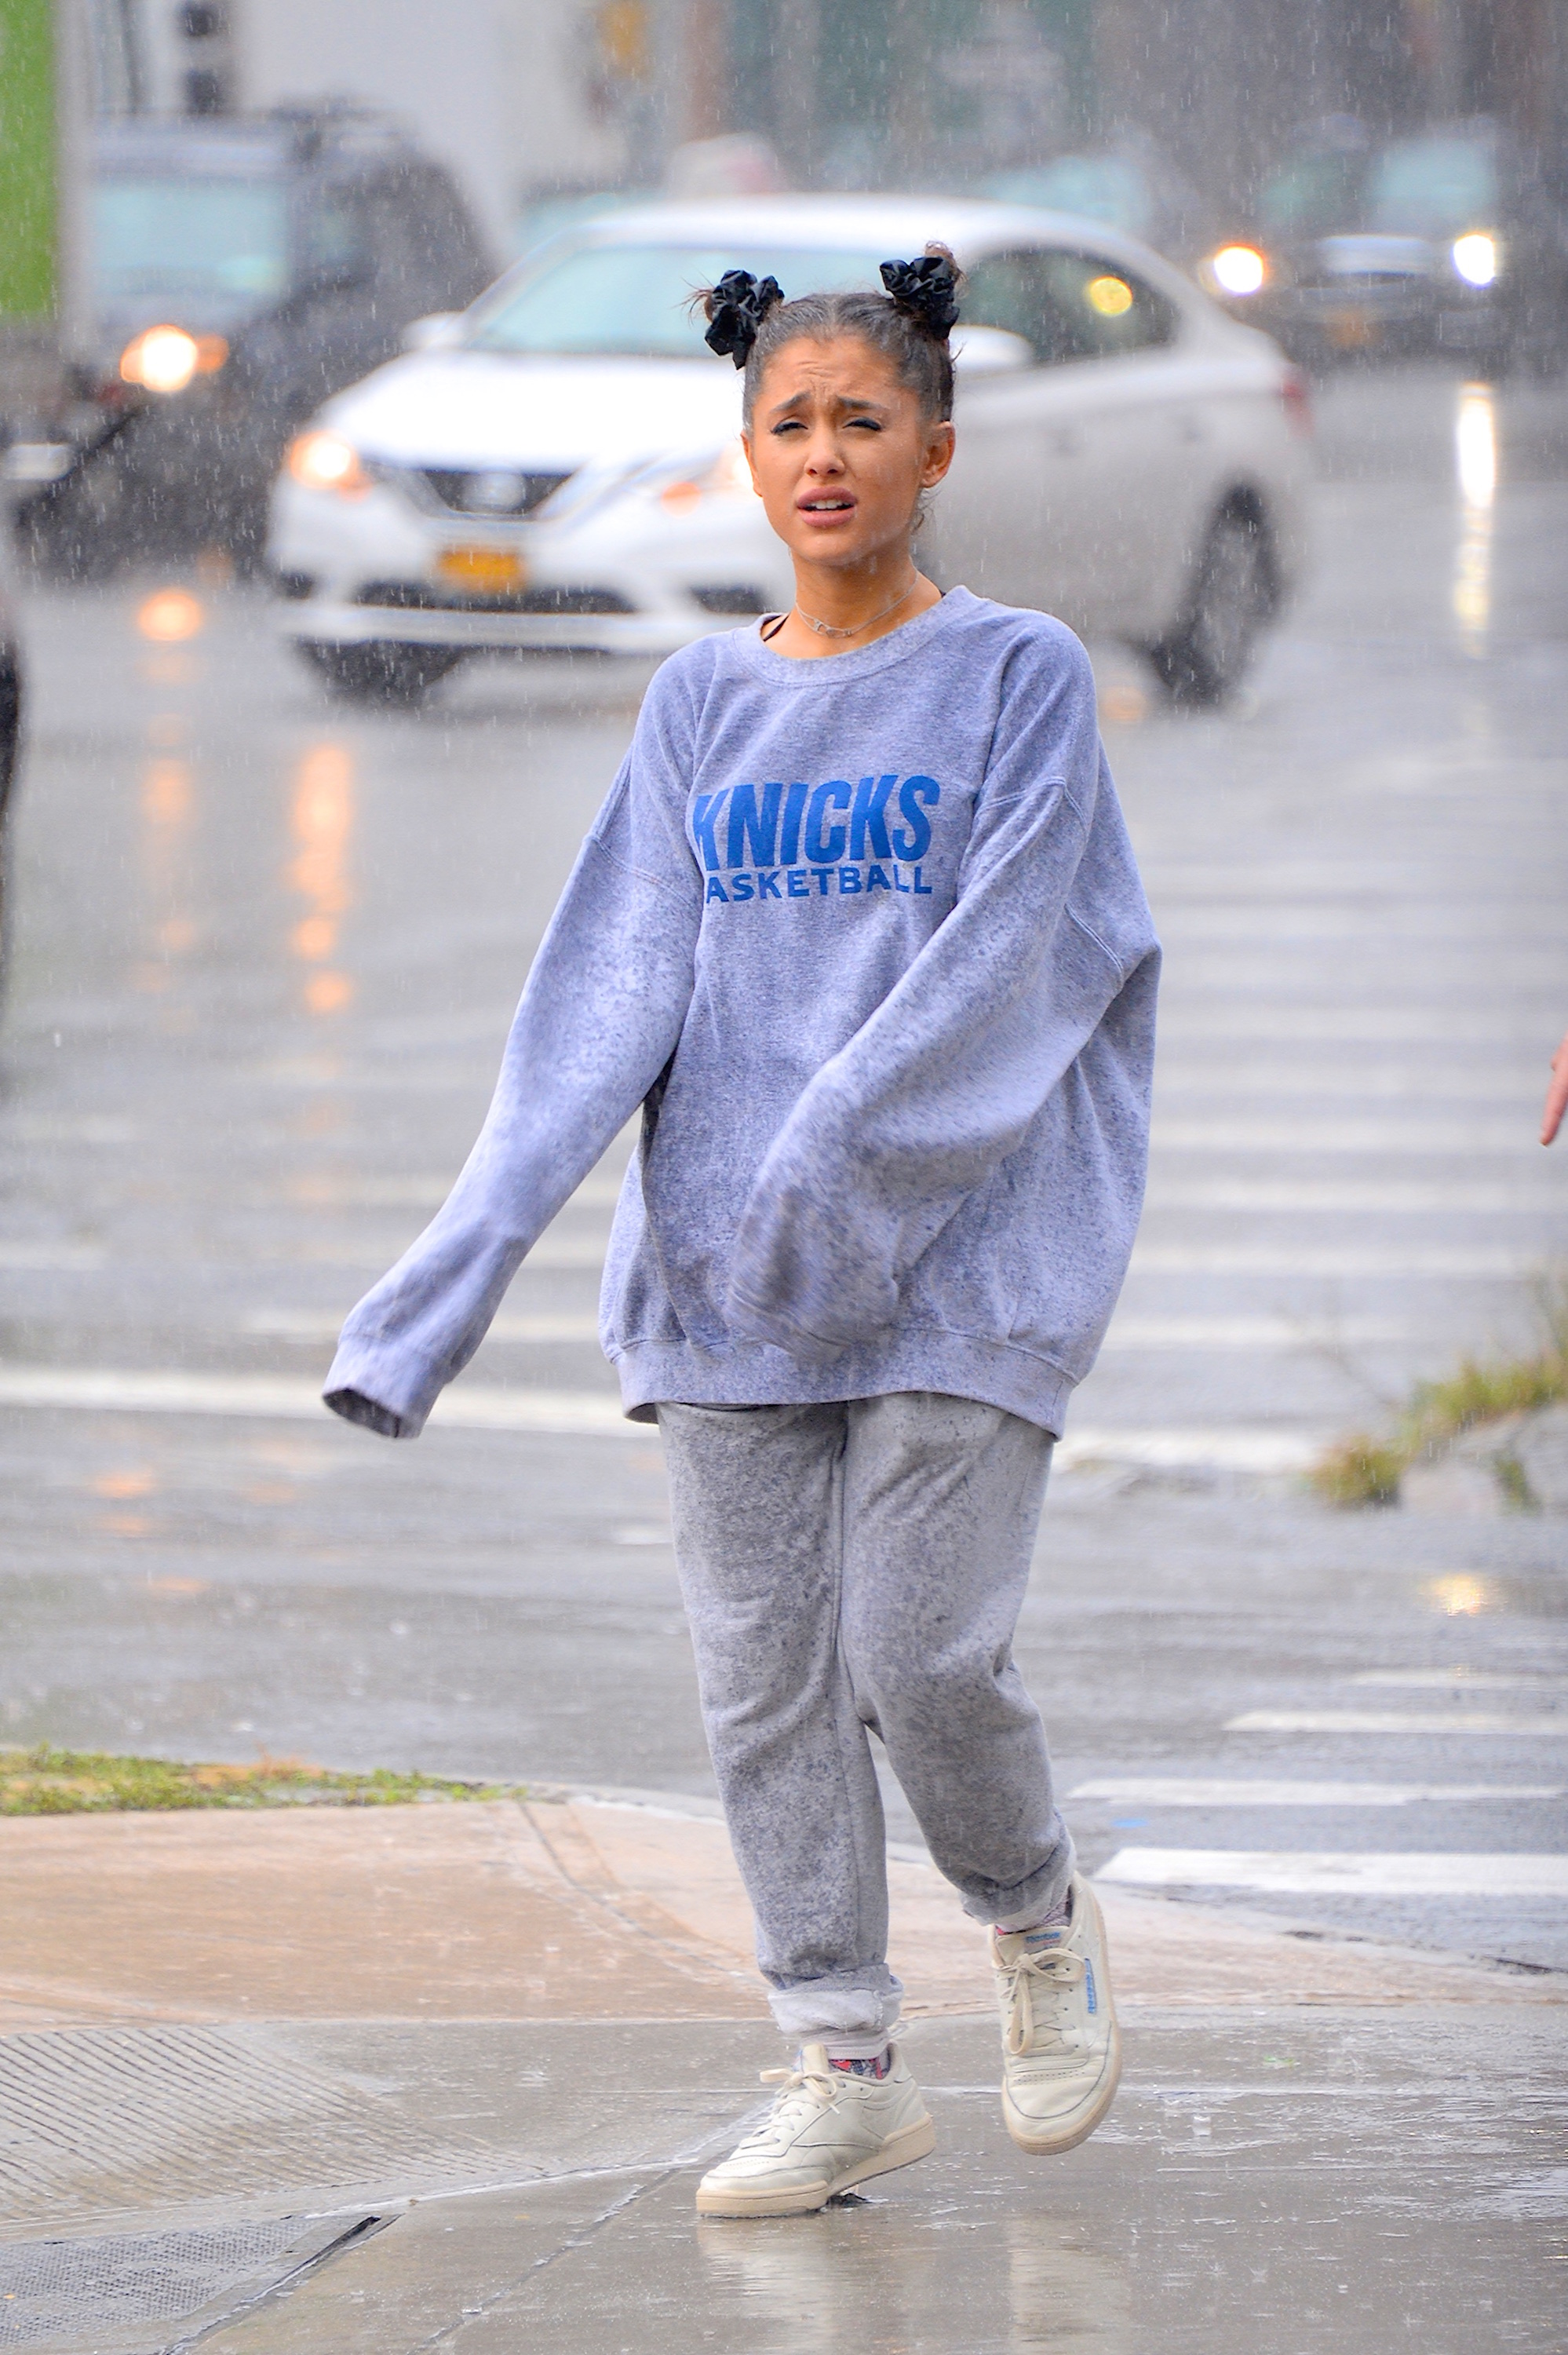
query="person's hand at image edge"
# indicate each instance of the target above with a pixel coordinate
(1556, 1095)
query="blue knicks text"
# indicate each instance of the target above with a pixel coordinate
(773, 830)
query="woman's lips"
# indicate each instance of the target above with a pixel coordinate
(827, 506)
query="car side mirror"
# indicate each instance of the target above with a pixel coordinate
(438, 332)
(989, 351)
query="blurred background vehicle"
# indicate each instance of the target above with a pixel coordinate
(1449, 240)
(1129, 182)
(562, 466)
(241, 270)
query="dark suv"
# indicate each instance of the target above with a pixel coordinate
(1447, 239)
(244, 269)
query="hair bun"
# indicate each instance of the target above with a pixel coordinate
(736, 307)
(926, 290)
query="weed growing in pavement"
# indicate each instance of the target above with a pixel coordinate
(1359, 1471)
(1363, 1470)
(46, 1782)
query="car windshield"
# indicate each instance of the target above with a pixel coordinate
(189, 243)
(635, 298)
(1416, 188)
(1433, 187)
(1096, 187)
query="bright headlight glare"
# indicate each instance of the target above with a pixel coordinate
(1474, 257)
(1239, 269)
(732, 470)
(729, 473)
(162, 360)
(325, 461)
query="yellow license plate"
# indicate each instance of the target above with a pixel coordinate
(484, 571)
(1351, 331)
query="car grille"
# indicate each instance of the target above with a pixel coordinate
(1358, 282)
(489, 490)
(425, 597)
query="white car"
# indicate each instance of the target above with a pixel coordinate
(560, 467)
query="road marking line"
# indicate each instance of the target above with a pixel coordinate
(1276, 1260)
(1314, 1197)
(1307, 1874)
(1259, 1333)
(1353, 1134)
(1370, 1721)
(1218, 1791)
(1538, 1680)
(1235, 1449)
(585, 1414)
(53, 1259)
(557, 1413)
(308, 1325)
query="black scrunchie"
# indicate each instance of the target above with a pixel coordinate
(925, 288)
(740, 305)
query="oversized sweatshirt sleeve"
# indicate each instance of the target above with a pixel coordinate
(597, 1022)
(943, 1081)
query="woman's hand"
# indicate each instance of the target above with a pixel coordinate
(1556, 1095)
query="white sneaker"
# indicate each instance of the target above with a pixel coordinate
(828, 2129)
(1061, 2047)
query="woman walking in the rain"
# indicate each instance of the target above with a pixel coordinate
(859, 929)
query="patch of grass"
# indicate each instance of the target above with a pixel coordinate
(1365, 1470)
(1359, 1471)
(46, 1782)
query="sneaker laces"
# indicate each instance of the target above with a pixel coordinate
(803, 2094)
(1039, 1984)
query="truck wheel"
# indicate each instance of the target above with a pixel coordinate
(380, 671)
(1206, 657)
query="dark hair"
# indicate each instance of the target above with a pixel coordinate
(911, 323)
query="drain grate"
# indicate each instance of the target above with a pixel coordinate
(117, 2292)
(98, 2123)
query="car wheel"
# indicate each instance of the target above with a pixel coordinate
(381, 671)
(1205, 657)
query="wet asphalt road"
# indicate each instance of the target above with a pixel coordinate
(264, 952)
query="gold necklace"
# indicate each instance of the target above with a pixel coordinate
(829, 630)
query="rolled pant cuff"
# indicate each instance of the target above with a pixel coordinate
(860, 2004)
(1028, 1901)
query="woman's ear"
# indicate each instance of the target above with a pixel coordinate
(940, 443)
(746, 445)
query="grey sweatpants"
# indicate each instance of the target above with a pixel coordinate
(861, 1566)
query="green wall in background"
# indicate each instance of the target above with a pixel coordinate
(29, 242)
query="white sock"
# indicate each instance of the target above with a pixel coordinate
(1046, 1929)
(870, 2046)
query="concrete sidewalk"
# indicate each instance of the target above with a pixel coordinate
(389, 2078)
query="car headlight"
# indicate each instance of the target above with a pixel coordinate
(325, 461)
(1474, 257)
(729, 476)
(1238, 268)
(161, 359)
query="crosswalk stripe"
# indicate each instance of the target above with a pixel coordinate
(1286, 1260)
(1435, 1874)
(1222, 1791)
(472, 1406)
(566, 1414)
(1462, 1680)
(1382, 1720)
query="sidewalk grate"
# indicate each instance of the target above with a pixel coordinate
(99, 2123)
(79, 2294)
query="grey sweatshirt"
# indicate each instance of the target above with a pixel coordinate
(864, 938)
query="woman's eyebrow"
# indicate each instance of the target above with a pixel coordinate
(839, 401)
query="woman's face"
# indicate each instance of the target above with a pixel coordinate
(840, 452)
